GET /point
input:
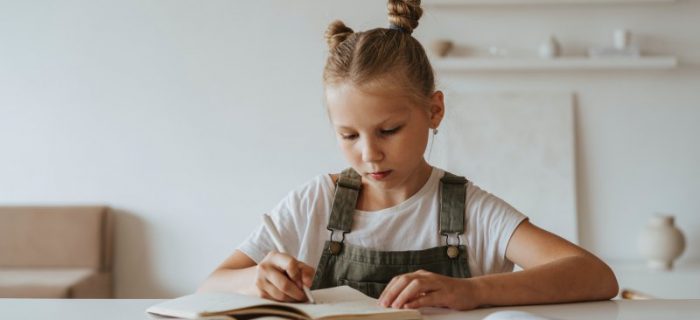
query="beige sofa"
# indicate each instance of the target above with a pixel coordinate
(55, 252)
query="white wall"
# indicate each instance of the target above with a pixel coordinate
(637, 133)
(191, 118)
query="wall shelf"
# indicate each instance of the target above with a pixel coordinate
(537, 64)
(534, 2)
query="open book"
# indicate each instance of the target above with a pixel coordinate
(332, 303)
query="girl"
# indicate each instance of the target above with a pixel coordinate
(393, 226)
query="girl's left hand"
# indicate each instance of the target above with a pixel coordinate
(426, 289)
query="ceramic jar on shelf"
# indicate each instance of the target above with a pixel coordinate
(550, 48)
(661, 242)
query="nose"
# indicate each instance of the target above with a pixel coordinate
(371, 151)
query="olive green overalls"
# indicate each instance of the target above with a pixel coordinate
(369, 270)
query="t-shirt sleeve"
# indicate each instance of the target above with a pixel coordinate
(490, 224)
(289, 219)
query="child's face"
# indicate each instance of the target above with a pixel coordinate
(382, 135)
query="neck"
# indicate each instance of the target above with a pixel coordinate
(373, 198)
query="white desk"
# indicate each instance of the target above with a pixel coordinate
(683, 282)
(126, 309)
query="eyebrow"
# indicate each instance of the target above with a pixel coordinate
(381, 123)
(350, 128)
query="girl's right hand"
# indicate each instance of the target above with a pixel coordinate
(281, 277)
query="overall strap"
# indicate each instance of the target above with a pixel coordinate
(347, 190)
(454, 190)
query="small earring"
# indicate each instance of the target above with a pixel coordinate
(435, 131)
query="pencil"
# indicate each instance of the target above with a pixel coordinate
(277, 239)
(634, 295)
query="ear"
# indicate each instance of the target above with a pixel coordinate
(437, 109)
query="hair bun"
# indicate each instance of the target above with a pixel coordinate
(404, 14)
(336, 33)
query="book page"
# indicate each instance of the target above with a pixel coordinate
(345, 302)
(339, 294)
(201, 304)
(333, 303)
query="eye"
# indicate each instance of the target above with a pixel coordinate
(388, 132)
(348, 136)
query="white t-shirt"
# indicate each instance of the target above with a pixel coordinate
(302, 218)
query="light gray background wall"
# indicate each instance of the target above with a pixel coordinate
(191, 118)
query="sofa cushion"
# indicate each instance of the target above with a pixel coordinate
(55, 237)
(41, 283)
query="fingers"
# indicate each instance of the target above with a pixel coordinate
(427, 300)
(281, 277)
(394, 288)
(426, 289)
(301, 273)
(268, 290)
(415, 289)
(286, 263)
(286, 285)
(408, 287)
(307, 274)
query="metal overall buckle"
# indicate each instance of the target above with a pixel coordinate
(336, 246)
(452, 250)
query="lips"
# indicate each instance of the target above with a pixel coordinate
(379, 175)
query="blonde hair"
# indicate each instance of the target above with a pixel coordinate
(369, 57)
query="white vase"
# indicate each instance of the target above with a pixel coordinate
(621, 39)
(660, 242)
(550, 48)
